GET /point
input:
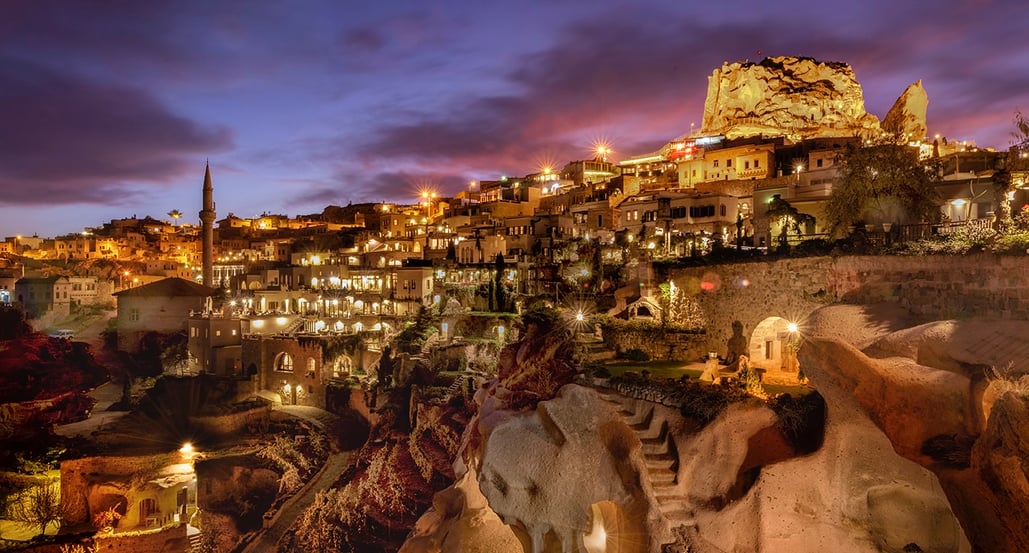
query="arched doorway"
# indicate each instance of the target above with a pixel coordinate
(769, 344)
(611, 530)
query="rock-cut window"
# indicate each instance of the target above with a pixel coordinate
(284, 362)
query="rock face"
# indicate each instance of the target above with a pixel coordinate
(907, 116)
(928, 385)
(1001, 458)
(796, 97)
(649, 477)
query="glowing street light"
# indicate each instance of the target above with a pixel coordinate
(791, 327)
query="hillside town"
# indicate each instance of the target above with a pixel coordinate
(238, 314)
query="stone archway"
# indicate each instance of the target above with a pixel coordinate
(611, 530)
(769, 343)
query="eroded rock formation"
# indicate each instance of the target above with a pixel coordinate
(791, 96)
(935, 390)
(907, 116)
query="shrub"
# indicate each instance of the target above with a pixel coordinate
(1012, 243)
(950, 450)
(1009, 380)
(801, 420)
(636, 354)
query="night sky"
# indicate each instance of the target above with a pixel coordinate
(109, 109)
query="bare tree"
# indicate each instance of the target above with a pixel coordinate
(38, 506)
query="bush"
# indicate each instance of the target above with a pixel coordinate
(1013, 243)
(801, 420)
(636, 354)
(950, 450)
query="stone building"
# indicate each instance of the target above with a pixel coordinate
(163, 306)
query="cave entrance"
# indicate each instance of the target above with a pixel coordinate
(611, 530)
(770, 344)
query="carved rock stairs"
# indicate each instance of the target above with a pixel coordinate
(660, 457)
(195, 539)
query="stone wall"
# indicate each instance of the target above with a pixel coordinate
(657, 343)
(230, 423)
(156, 541)
(929, 287)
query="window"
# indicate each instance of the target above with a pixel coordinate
(284, 362)
(728, 163)
(757, 163)
(723, 210)
(746, 164)
(818, 163)
(134, 314)
(715, 163)
(217, 333)
(310, 367)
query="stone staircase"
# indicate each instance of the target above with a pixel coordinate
(660, 456)
(456, 387)
(195, 541)
(595, 350)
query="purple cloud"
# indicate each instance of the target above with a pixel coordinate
(73, 140)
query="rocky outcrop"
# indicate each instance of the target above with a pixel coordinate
(853, 494)
(910, 402)
(580, 462)
(936, 383)
(796, 97)
(907, 116)
(1001, 458)
(461, 521)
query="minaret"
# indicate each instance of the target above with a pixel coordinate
(207, 225)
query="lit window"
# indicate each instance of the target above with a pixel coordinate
(284, 363)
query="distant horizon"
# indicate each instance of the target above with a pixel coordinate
(114, 109)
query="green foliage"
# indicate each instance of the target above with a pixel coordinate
(540, 315)
(787, 218)
(882, 182)
(413, 337)
(499, 287)
(749, 379)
